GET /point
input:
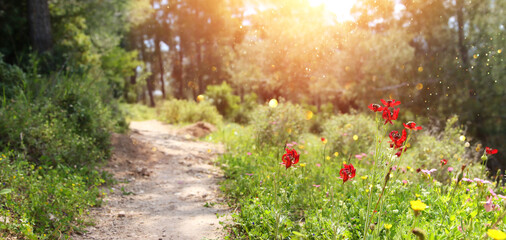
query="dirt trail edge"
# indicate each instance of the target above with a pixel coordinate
(168, 187)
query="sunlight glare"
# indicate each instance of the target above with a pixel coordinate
(339, 7)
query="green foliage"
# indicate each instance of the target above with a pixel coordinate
(279, 125)
(222, 97)
(138, 112)
(11, 77)
(244, 114)
(119, 65)
(181, 111)
(309, 201)
(432, 145)
(70, 127)
(340, 131)
(44, 202)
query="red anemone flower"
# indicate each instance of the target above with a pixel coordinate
(390, 103)
(389, 115)
(375, 107)
(401, 150)
(412, 126)
(348, 172)
(444, 162)
(490, 151)
(397, 139)
(290, 158)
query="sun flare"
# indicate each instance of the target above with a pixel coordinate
(339, 7)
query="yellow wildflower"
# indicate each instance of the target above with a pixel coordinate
(355, 137)
(302, 164)
(462, 138)
(301, 146)
(408, 167)
(388, 226)
(200, 98)
(328, 158)
(417, 206)
(496, 234)
(336, 154)
(364, 177)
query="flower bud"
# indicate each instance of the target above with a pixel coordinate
(484, 157)
(419, 233)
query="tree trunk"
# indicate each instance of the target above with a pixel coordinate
(200, 70)
(178, 73)
(149, 81)
(40, 25)
(462, 46)
(158, 53)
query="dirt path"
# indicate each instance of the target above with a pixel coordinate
(167, 179)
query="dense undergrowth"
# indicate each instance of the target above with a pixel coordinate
(54, 133)
(436, 189)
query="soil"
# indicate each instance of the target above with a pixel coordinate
(168, 187)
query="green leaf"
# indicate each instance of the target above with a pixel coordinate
(474, 213)
(5, 191)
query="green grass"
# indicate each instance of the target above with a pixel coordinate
(309, 201)
(45, 202)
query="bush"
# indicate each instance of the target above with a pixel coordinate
(181, 111)
(72, 128)
(433, 144)
(243, 114)
(11, 77)
(279, 125)
(222, 97)
(138, 112)
(350, 134)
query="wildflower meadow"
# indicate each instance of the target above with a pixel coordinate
(302, 188)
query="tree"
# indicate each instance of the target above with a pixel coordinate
(40, 25)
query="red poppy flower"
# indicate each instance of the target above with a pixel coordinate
(444, 162)
(348, 172)
(397, 139)
(401, 150)
(389, 115)
(375, 107)
(412, 126)
(490, 151)
(290, 158)
(390, 103)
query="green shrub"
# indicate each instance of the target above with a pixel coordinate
(243, 114)
(72, 128)
(431, 145)
(279, 125)
(10, 78)
(138, 112)
(182, 111)
(341, 130)
(222, 97)
(319, 117)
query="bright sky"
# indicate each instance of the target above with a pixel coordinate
(340, 7)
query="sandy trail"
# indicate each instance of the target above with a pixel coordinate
(166, 181)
